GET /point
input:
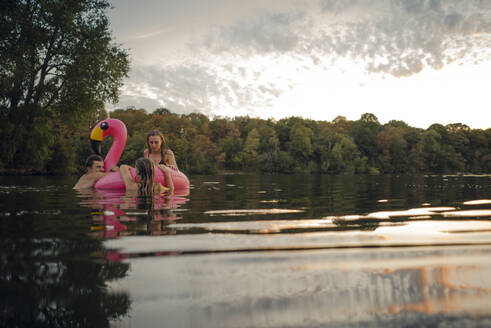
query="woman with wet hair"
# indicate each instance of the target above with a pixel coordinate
(146, 184)
(158, 151)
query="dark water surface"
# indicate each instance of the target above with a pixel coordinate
(249, 251)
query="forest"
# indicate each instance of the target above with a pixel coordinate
(290, 145)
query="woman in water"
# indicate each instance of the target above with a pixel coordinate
(158, 152)
(145, 175)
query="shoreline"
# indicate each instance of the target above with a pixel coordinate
(34, 172)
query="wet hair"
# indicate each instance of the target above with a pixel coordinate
(146, 175)
(93, 158)
(163, 146)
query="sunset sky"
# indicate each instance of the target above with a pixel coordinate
(420, 61)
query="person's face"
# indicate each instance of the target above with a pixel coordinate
(97, 166)
(155, 142)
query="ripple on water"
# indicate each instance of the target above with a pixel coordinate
(478, 202)
(262, 211)
(30, 212)
(228, 221)
(20, 189)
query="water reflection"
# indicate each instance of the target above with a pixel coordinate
(48, 276)
(116, 214)
(422, 287)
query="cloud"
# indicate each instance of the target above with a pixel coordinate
(396, 37)
(258, 35)
(149, 35)
(401, 37)
(193, 87)
(336, 5)
(136, 101)
(181, 88)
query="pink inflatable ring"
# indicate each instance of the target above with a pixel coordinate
(117, 129)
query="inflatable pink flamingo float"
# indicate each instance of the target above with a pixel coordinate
(117, 129)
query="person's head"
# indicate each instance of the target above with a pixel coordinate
(145, 173)
(95, 163)
(156, 141)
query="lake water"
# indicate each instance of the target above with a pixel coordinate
(249, 251)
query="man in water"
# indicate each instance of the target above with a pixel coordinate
(95, 171)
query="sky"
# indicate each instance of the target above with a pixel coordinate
(419, 61)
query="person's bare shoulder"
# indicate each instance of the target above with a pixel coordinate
(83, 183)
(89, 179)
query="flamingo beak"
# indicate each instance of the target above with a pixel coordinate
(96, 147)
(95, 139)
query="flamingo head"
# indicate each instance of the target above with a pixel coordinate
(108, 127)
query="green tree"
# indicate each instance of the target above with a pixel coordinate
(134, 119)
(440, 157)
(57, 64)
(341, 124)
(204, 153)
(345, 157)
(201, 122)
(364, 133)
(226, 134)
(269, 146)
(393, 146)
(300, 144)
(432, 151)
(480, 160)
(162, 111)
(251, 150)
(323, 141)
(133, 149)
(458, 138)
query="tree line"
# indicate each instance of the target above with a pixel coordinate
(290, 145)
(294, 144)
(204, 145)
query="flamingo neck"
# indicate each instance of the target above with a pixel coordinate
(115, 152)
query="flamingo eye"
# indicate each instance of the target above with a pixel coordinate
(104, 126)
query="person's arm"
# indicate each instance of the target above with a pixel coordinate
(145, 153)
(88, 180)
(170, 159)
(168, 180)
(115, 168)
(127, 178)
